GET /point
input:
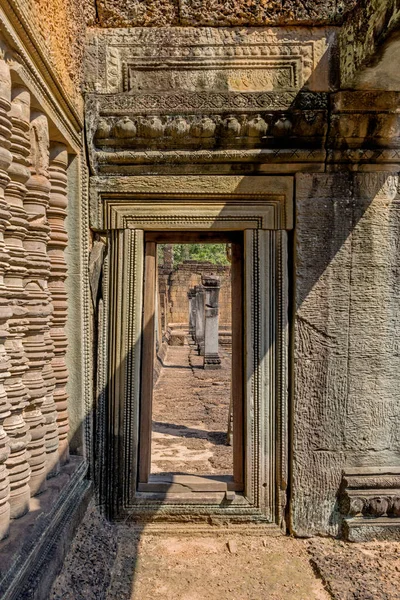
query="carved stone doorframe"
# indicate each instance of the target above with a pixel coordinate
(261, 207)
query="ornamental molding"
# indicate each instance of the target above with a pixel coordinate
(206, 58)
(192, 202)
(370, 495)
(124, 130)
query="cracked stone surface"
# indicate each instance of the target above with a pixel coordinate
(190, 415)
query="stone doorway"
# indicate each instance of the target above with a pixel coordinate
(191, 421)
(133, 212)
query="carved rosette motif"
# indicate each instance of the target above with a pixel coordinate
(5, 310)
(41, 446)
(16, 427)
(56, 247)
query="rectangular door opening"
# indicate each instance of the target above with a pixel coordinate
(192, 389)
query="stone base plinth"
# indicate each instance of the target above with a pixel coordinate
(33, 554)
(212, 362)
(362, 529)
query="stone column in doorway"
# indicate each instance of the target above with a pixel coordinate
(212, 286)
(192, 312)
(200, 318)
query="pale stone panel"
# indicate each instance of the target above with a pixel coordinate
(322, 292)
(346, 344)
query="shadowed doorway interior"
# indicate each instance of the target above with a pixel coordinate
(191, 426)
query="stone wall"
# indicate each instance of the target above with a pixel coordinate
(345, 403)
(186, 276)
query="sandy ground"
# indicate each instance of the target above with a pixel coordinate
(190, 415)
(118, 562)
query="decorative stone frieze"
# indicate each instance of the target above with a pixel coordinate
(368, 494)
(38, 305)
(220, 203)
(57, 244)
(202, 127)
(5, 310)
(17, 428)
(209, 60)
(364, 130)
(181, 98)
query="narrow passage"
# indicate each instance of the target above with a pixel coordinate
(190, 415)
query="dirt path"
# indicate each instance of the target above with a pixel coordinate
(190, 415)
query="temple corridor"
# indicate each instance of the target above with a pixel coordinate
(190, 415)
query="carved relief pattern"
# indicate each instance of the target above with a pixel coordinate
(5, 310)
(211, 58)
(17, 428)
(127, 131)
(371, 494)
(57, 244)
(38, 306)
(211, 131)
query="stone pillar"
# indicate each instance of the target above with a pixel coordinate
(212, 286)
(38, 305)
(57, 245)
(192, 312)
(16, 427)
(200, 318)
(5, 310)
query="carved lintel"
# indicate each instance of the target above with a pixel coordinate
(197, 202)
